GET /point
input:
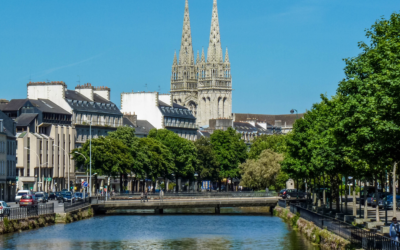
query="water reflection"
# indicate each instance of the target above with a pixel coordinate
(162, 232)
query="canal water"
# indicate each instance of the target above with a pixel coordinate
(163, 232)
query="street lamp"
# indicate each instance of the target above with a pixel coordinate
(295, 110)
(39, 163)
(87, 177)
(54, 145)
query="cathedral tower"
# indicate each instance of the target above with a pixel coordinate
(183, 78)
(215, 83)
(204, 85)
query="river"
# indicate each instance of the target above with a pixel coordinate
(163, 232)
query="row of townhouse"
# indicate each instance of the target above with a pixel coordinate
(53, 120)
(8, 144)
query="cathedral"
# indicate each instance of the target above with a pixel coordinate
(204, 85)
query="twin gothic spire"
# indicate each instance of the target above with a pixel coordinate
(214, 53)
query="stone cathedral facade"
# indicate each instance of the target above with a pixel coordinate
(204, 85)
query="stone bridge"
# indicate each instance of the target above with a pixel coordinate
(103, 207)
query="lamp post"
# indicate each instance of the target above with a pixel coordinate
(87, 177)
(90, 155)
(68, 164)
(295, 110)
(39, 163)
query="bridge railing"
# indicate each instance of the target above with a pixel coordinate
(68, 207)
(177, 195)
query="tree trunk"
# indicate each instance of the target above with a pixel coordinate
(376, 197)
(354, 198)
(394, 189)
(345, 194)
(121, 186)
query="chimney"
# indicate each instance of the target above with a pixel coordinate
(86, 90)
(103, 92)
(132, 118)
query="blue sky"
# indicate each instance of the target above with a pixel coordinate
(283, 54)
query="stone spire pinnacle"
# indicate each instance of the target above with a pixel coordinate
(203, 57)
(226, 56)
(175, 59)
(197, 57)
(214, 53)
(186, 55)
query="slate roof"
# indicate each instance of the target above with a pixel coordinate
(3, 105)
(79, 102)
(48, 106)
(201, 133)
(288, 118)
(15, 105)
(244, 127)
(143, 126)
(176, 111)
(25, 119)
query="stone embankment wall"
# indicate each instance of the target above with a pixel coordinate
(79, 214)
(10, 226)
(323, 237)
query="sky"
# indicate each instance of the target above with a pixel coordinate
(283, 54)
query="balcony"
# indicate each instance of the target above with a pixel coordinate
(181, 125)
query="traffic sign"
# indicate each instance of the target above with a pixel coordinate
(85, 184)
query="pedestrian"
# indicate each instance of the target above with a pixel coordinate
(161, 195)
(394, 229)
(141, 197)
(145, 196)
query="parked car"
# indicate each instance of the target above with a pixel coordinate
(52, 196)
(293, 193)
(28, 200)
(42, 197)
(281, 192)
(79, 196)
(4, 209)
(388, 200)
(67, 197)
(369, 195)
(20, 194)
(375, 200)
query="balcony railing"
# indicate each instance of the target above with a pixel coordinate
(181, 125)
(98, 124)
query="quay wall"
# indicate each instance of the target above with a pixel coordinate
(317, 235)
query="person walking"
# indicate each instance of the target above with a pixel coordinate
(394, 229)
(161, 195)
(142, 197)
(145, 196)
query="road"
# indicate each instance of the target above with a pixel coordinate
(58, 207)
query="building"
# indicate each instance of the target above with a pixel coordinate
(160, 112)
(203, 85)
(249, 129)
(284, 122)
(8, 145)
(40, 125)
(53, 121)
(142, 127)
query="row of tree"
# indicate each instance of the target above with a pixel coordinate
(163, 154)
(356, 132)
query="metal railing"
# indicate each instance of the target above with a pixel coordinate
(68, 206)
(359, 238)
(15, 213)
(198, 194)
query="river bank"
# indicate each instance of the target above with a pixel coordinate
(322, 237)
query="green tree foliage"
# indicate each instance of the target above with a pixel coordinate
(158, 160)
(183, 151)
(276, 143)
(263, 172)
(208, 165)
(110, 156)
(230, 150)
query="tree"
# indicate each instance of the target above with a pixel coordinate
(158, 160)
(183, 151)
(371, 94)
(208, 165)
(230, 151)
(110, 156)
(261, 173)
(276, 143)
